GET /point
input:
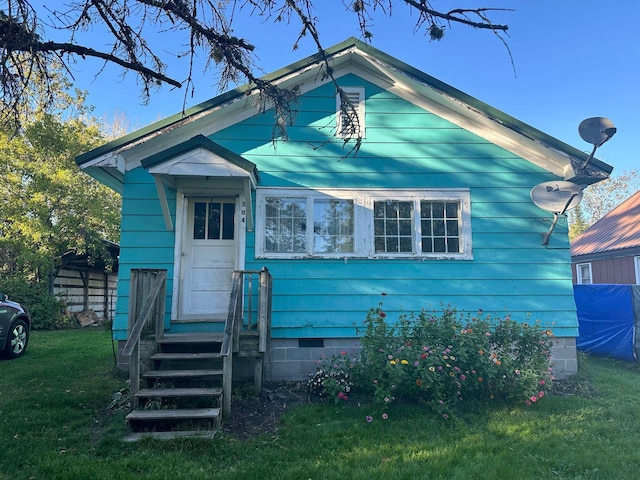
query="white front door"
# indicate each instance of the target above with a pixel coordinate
(208, 258)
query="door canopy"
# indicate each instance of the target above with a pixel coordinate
(199, 159)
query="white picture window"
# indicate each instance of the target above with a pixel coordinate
(432, 223)
(583, 272)
(350, 113)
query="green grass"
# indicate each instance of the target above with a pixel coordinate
(54, 424)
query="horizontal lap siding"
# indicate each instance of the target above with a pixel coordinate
(144, 241)
(407, 147)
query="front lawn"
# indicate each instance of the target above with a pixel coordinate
(56, 424)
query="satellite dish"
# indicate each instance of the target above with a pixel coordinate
(556, 196)
(596, 130)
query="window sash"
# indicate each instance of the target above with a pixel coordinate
(584, 274)
(369, 223)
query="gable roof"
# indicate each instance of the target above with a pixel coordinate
(109, 162)
(616, 231)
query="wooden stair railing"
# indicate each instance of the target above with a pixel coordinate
(246, 334)
(235, 323)
(146, 313)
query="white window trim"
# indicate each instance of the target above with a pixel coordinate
(359, 107)
(579, 273)
(636, 261)
(363, 200)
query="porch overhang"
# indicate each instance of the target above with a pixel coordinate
(196, 159)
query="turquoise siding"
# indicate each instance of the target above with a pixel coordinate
(144, 241)
(405, 147)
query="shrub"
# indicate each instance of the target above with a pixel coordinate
(332, 378)
(45, 309)
(444, 359)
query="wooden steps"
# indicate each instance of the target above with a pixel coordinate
(181, 393)
(186, 373)
(183, 414)
(201, 434)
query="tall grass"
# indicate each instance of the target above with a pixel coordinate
(54, 424)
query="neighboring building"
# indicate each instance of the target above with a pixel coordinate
(433, 210)
(609, 250)
(86, 284)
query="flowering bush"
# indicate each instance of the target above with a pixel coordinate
(452, 357)
(442, 360)
(332, 378)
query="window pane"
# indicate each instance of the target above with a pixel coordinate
(440, 223)
(199, 220)
(393, 226)
(438, 228)
(213, 228)
(228, 220)
(333, 226)
(438, 209)
(286, 225)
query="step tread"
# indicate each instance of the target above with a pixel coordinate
(179, 392)
(185, 356)
(177, 414)
(203, 434)
(174, 338)
(182, 373)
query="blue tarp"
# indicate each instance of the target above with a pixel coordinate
(607, 318)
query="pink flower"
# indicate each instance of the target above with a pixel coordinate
(528, 403)
(385, 416)
(541, 382)
(341, 395)
(445, 416)
(540, 394)
(382, 314)
(369, 418)
(463, 377)
(533, 398)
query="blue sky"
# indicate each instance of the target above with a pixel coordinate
(573, 60)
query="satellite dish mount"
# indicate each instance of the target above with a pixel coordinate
(596, 131)
(556, 197)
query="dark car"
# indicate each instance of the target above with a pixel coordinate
(15, 326)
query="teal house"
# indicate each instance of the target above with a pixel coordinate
(432, 209)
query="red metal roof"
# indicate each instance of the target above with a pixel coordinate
(618, 229)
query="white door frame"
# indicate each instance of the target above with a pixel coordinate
(182, 202)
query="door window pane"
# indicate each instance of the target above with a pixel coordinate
(213, 231)
(228, 220)
(214, 220)
(199, 220)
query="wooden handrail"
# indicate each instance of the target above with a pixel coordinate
(230, 340)
(229, 326)
(145, 312)
(153, 305)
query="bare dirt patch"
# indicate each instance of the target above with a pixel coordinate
(254, 415)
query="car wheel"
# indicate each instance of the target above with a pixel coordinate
(18, 339)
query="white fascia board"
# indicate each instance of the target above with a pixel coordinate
(466, 117)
